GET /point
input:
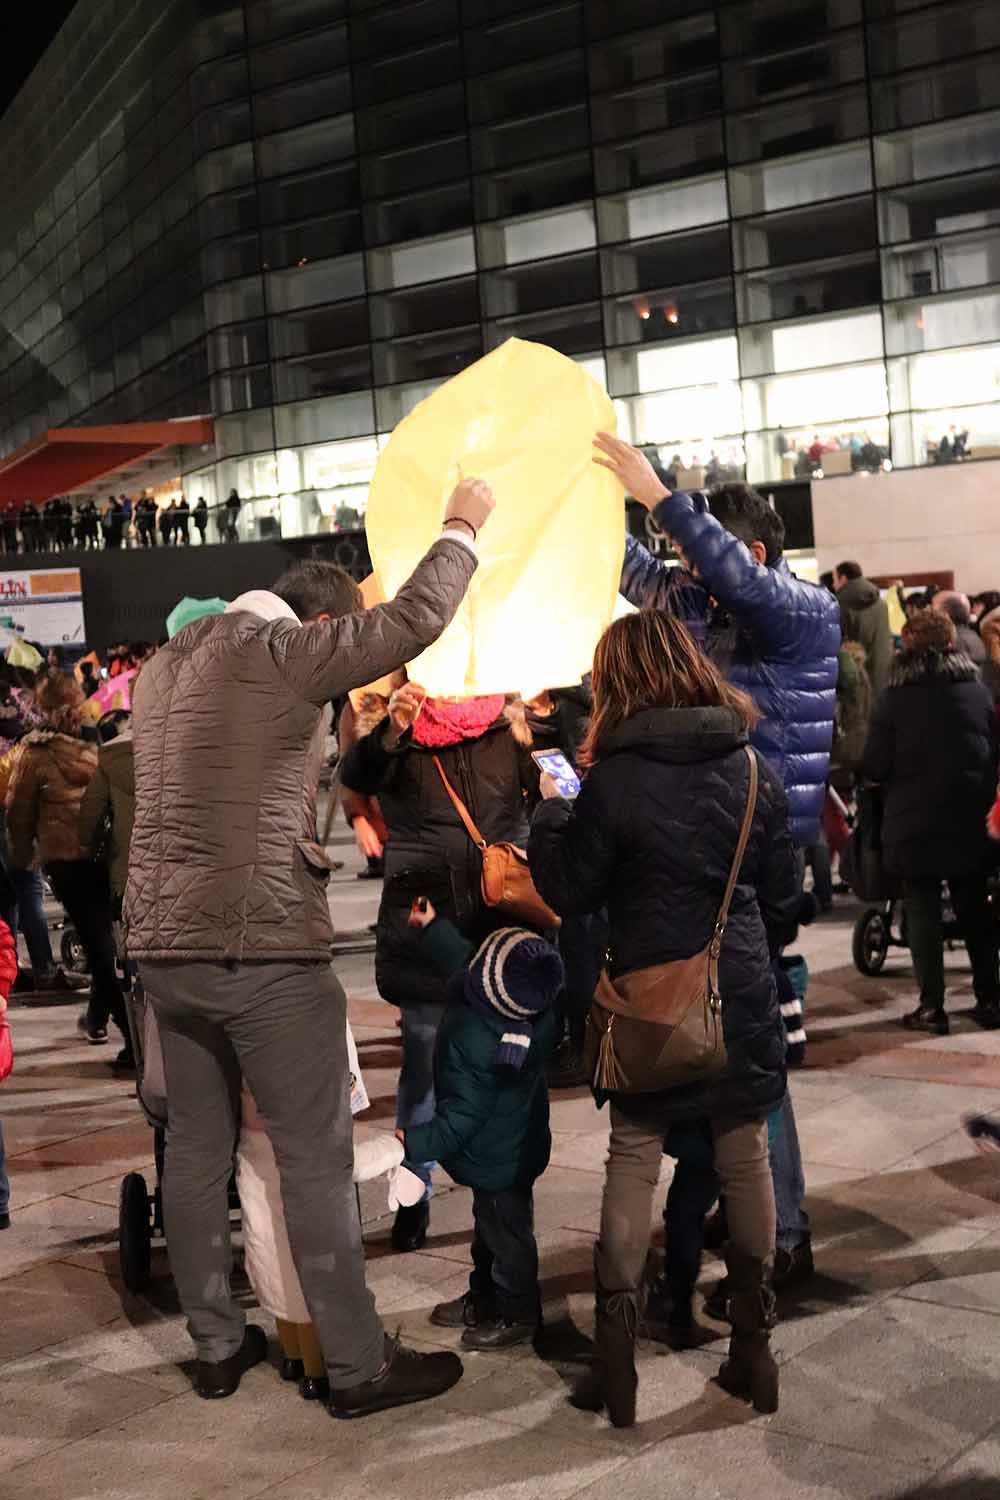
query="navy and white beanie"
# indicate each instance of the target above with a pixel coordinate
(516, 975)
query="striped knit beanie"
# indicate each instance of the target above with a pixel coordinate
(515, 975)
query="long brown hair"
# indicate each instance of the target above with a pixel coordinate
(650, 660)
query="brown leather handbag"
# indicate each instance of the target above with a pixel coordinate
(506, 880)
(662, 1026)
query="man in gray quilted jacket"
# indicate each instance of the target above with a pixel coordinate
(226, 913)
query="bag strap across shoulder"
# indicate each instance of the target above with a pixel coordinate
(741, 849)
(461, 809)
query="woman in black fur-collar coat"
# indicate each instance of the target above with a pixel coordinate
(933, 746)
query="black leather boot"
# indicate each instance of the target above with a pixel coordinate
(751, 1370)
(409, 1232)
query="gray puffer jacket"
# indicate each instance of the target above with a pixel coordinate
(229, 724)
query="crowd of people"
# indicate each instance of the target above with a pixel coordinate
(60, 525)
(639, 947)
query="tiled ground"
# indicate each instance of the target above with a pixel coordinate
(891, 1380)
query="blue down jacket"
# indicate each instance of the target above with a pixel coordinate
(770, 633)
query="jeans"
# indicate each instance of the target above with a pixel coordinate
(83, 888)
(922, 903)
(282, 1026)
(4, 1179)
(633, 1171)
(415, 1102)
(789, 1180)
(693, 1190)
(31, 919)
(504, 1253)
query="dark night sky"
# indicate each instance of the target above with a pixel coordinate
(25, 32)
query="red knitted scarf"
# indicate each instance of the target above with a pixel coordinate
(442, 723)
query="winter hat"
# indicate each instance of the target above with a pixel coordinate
(189, 610)
(515, 975)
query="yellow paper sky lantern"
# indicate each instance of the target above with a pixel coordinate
(522, 418)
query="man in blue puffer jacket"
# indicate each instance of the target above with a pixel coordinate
(777, 638)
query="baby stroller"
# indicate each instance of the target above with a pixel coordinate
(140, 1213)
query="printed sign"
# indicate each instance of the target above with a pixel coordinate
(45, 606)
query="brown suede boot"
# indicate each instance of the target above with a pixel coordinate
(612, 1381)
(750, 1371)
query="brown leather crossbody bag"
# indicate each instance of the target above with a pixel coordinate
(506, 880)
(662, 1026)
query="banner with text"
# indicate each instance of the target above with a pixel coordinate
(44, 606)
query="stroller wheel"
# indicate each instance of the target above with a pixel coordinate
(870, 943)
(71, 952)
(134, 1233)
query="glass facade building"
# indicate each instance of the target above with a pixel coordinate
(762, 224)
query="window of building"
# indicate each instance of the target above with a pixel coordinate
(944, 265)
(534, 188)
(422, 117)
(818, 449)
(325, 281)
(405, 171)
(308, 146)
(689, 45)
(940, 150)
(537, 237)
(398, 401)
(777, 348)
(670, 312)
(826, 62)
(845, 393)
(662, 210)
(655, 106)
(941, 92)
(545, 284)
(319, 421)
(671, 261)
(381, 78)
(664, 367)
(317, 239)
(298, 103)
(515, 141)
(270, 19)
(416, 216)
(933, 35)
(691, 151)
(845, 226)
(553, 82)
(942, 322)
(851, 281)
(427, 356)
(923, 211)
(438, 304)
(518, 38)
(929, 437)
(432, 259)
(572, 330)
(331, 373)
(318, 52)
(812, 123)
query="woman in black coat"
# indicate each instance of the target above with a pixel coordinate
(483, 745)
(933, 746)
(652, 838)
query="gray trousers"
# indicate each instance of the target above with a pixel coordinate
(283, 1026)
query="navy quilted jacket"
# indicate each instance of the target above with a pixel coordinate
(769, 632)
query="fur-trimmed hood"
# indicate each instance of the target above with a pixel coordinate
(924, 666)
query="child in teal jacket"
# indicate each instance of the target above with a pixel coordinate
(490, 1130)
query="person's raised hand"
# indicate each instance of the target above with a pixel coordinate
(548, 786)
(404, 706)
(470, 506)
(631, 468)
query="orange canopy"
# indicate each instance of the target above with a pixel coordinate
(64, 458)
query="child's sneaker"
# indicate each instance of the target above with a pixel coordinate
(467, 1311)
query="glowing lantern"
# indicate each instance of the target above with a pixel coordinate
(523, 419)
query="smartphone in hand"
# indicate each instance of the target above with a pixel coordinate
(555, 764)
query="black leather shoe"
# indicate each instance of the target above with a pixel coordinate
(987, 1014)
(927, 1018)
(292, 1369)
(314, 1388)
(216, 1381)
(498, 1333)
(466, 1311)
(792, 1266)
(409, 1232)
(4, 1220)
(406, 1377)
